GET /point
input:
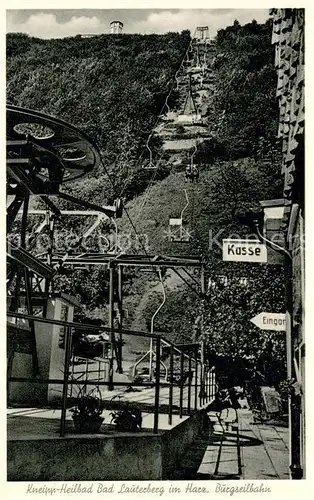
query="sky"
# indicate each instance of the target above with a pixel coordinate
(62, 23)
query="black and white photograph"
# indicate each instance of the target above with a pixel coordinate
(155, 249)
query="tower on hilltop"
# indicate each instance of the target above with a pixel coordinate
(202, 33)
(116, 27)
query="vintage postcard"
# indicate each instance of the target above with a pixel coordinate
(155, 250)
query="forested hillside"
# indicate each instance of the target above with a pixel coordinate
(111, 87)
(246, 91)
(114, 89)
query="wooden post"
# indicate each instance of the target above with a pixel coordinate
(296, 471)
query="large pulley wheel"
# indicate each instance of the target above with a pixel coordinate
(60, 151)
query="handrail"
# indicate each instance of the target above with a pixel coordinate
(88, 327)
(169, 344)
(79, 326)
(209, 381)
(91, 327)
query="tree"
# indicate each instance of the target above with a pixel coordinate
(245, 89)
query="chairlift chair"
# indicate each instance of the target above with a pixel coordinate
(177, 231)
(177, 163)
(149, 165)
(192, 170)
(170, 116)
(192, 173)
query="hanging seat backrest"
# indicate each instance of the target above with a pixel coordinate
(175, 221)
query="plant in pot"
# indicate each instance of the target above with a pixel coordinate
(289, 388)
(86, 414)
(126, 417)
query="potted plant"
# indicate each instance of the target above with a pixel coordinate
(86, 414)
(289, 388)
(126, 417)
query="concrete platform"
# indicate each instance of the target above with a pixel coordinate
(146, 397)
(33, 423)
(36, 452)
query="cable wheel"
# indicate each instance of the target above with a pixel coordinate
(61, 152)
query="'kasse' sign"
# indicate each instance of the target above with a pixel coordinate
(244, 251)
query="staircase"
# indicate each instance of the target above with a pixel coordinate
(195, 84)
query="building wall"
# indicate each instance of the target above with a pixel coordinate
(50, 359)
(85, 458)
(297, 248)
(288, 40)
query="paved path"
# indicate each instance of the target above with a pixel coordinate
(272, 459)
(237, 450)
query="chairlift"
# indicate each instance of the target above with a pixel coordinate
(192, 170)
(192, 173)
(177, 232)
(196, 69)
(150, 165)
(204, 68)
(177, 82)
(187, 61)
(177, 163)
(170, 116)
(151, 354)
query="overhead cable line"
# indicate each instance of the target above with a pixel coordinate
(147, 145)
(174, 81)
(125, 209)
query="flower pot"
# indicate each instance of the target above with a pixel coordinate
(127, 427)
(87, 426)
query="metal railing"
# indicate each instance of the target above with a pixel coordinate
(88, 375)
(191, 386)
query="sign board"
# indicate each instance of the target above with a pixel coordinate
(270, 321)
(235, 250)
